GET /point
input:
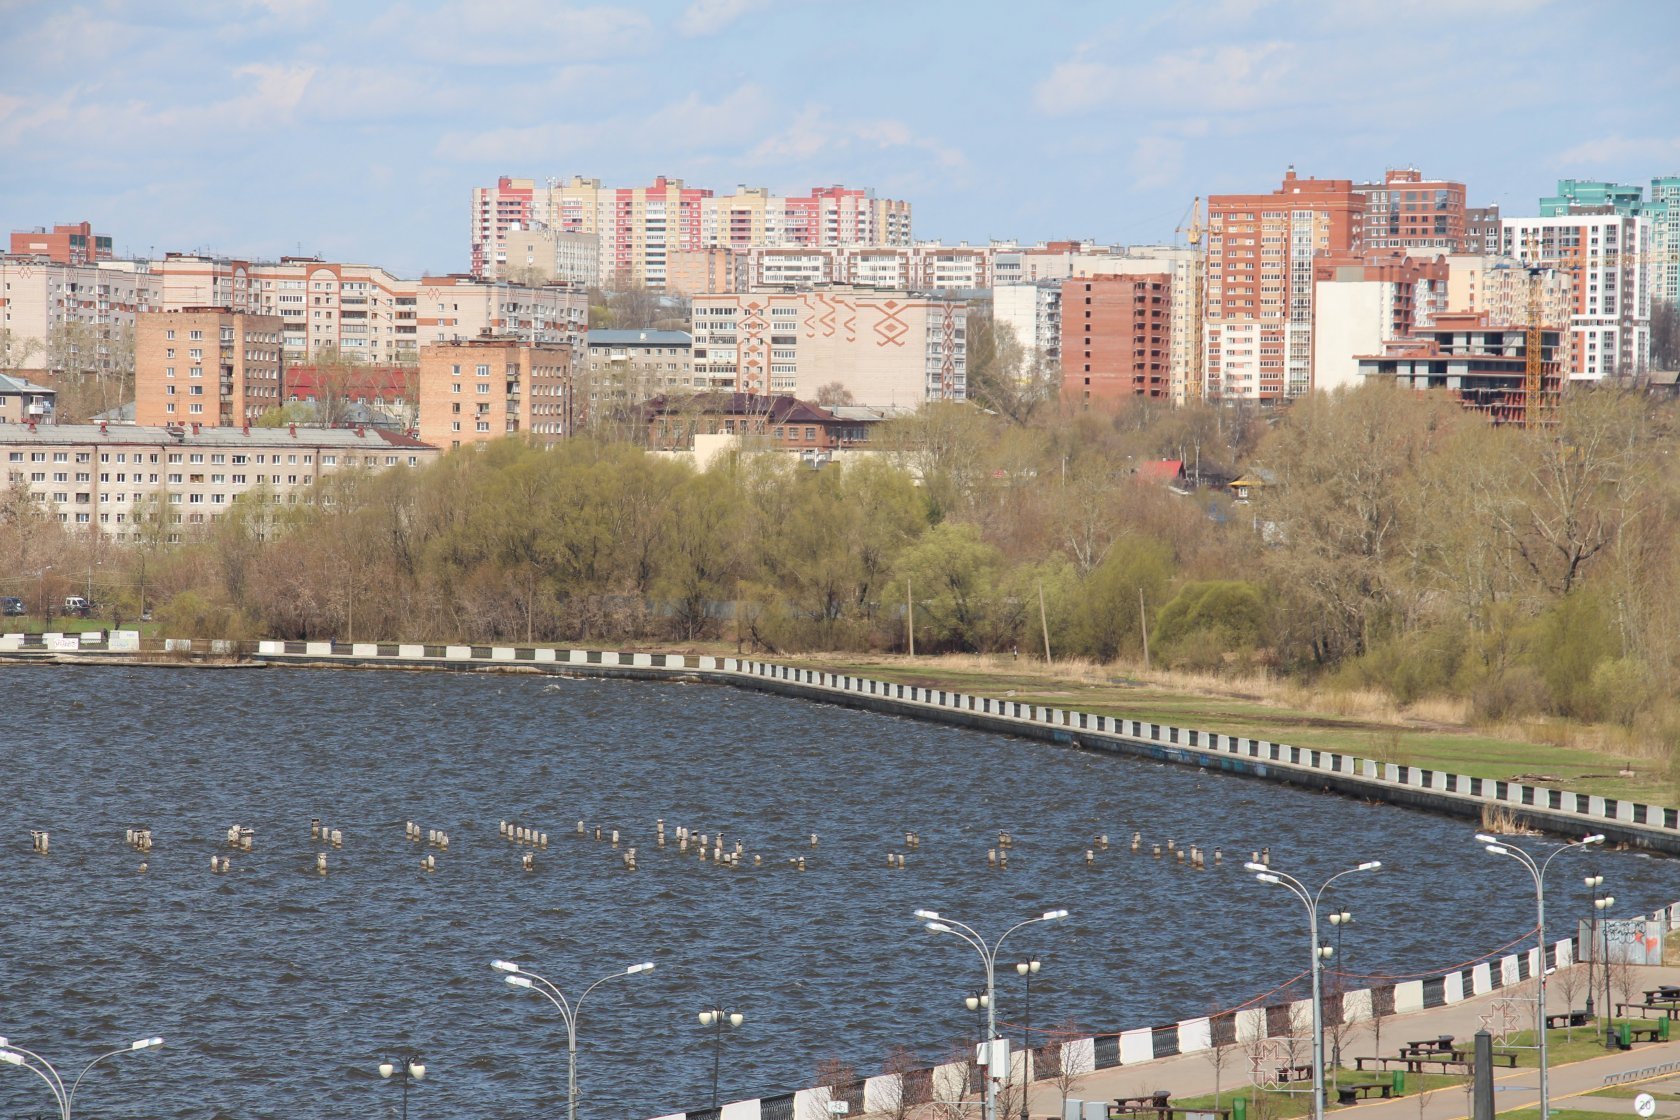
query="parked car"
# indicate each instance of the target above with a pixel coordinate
(77, 605)
(12, 605)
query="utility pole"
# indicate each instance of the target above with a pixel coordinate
(910, 615)
(1043, 622)
(1143, 624)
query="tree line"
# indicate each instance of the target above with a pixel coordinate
(1392, 541)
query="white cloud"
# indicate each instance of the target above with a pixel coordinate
(511, 32)
(813, 134)
(1156, 162)
(1610, 150)
(1222, 78)
(708, 17)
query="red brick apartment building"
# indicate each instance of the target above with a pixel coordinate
(1117, 337)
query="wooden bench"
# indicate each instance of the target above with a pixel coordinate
(1506, 1058)
(1647, 1032)
(1669, 1010)
(1413, 1064)
(1352, 1094)
(1425, 1047)
(1566, 1019)
(1131, 1106)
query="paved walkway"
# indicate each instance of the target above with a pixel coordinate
(1192, 1075)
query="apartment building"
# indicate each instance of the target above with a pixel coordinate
(1116, 337)
(42, 301)
(884, 348)
(1033, 313)
(206, 365)
(625, 368)
(535, 255)
(24, 402)
(1499, 288)
(1185, 267)
(1012, 263)
(1663, 211)
(125, 480)
(1362, 300)
(458, 307)
(1260, 251)
(1408, 212)
(65, 244)
(705, 270)
(1481, 230)
(1606, 256)
(639, 230)
(479, 389)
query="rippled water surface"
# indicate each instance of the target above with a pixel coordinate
(279, 990)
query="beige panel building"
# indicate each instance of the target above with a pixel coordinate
(477, 390)
(887, 349)
(706, 270)
(536, 254)
(1500, 286)
(127, 480)
(457, 307)
(206, 365)
(40, 296)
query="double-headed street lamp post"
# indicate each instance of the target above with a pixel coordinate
(1593, 882)
(521, 978)
(1310, 899)
(15, 1055)
(412, 1069)
(718, 1017)
(1537, 870)
(988, 955)
(1340, 920)
(1600, 905)
(1026, 970)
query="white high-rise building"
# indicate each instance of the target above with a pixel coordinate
(1605, 255)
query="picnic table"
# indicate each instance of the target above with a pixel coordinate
(1659, 1010)
(1576, 1018)
(1131, 1106)
(1663, 993)
(1352, 1094)
(1506, 1058)
(1286, 1074)
(1425, 1047)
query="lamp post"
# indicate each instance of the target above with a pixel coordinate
(1026, 970)
(988, 955)
(717, 1017)
(1340, 920)
(1601, 905)
(1537, 871)
(411, 1068)
(14, 1055)
(1593, 882)
(521, 978)
(1310, 899)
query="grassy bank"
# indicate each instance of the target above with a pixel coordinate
(1436, 737)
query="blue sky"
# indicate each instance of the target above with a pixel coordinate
(357, 130)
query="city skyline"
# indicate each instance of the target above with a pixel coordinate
(358, 132)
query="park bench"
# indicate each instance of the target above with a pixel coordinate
(1506, 1058)
(1641, 1032)
(1669, 1010)
(1286, 1074)
(1352, 1094)
(1154, 1102)
(1425, 1047)
(1414, 1064)
(1576, 1018)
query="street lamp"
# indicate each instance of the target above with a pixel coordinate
(988, 955)
(1601, 905)
(1320, 953)
(14, 1055)
(411, 1068)
(1340, 920)
(718, 1017)
(1026, 970)
(1593, 882)
(520, 978)
(1537, 871)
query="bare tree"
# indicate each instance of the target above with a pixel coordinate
(1570, 983)
(1222, 1034)
(909, 1085)
(836, 1080)
(952, 1085)
(1065, 1063)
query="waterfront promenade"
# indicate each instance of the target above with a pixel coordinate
(1192, 1075)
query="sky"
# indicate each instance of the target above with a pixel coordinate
(356, 131)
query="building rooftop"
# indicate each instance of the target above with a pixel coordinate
(11, 384)
(639, 338)
(254, 438)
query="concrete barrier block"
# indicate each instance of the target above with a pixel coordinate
(1137, 1046)
(1452, 990)
(577, 656)
(501, 653)
(262, 647)
(457, 653)
(642, 659)
(675, 661)
(1508, 972)
(740, 1110)
(710, 663)
(609, 657)
(1251, 1024)
(1481, 979)
(1356, 1005)
(544, 654)
(882, 1092)
(1408, 997)
(1079, 1053)
(365, 649)
(1195, 1035)
(318, 649)
(409, 650)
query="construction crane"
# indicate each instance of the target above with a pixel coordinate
(1192, 229)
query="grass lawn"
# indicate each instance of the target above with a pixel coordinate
(1588, 1042)
(1432, 746)
(1628, 1092)
(1564, 1114)
(1277, 1105)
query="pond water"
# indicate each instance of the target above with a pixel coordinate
(279, 990)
